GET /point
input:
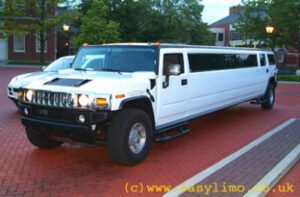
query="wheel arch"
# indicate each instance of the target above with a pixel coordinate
(140, 102)
(273, 80)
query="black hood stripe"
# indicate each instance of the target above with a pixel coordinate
(67, 82)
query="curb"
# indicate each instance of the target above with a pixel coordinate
(274, 176)
(220, 164)
(289, 82)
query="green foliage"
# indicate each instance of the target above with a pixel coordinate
(95, 28)
(173, 21)
(288, 78)
(282, 14)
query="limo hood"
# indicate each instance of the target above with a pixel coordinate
(89, 82)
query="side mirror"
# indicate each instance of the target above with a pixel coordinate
(173, 69)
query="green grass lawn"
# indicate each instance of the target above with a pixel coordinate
(288, 78)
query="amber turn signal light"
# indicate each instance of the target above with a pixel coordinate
(119, 96)
(21, 93)
(101, 102)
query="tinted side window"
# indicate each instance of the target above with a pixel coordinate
(271, 59)
(170, 59)
(210, 62)
(262, 59)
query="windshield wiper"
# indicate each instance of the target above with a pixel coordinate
(80, 69)
(112, 70)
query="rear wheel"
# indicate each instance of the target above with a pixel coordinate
(40, 140)
(129, 137)
(269, 98)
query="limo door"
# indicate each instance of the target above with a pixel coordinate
(172, 100)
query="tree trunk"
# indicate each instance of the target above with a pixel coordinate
(42, 35)
(42, 49)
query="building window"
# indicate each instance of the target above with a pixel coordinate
(2, 3)
(220, 37)
(19, 43)
(20, 3)
(234, 35)
(38, 43)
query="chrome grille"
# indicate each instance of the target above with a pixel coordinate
(56, 99)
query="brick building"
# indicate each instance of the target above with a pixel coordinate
(227, 35)
(224, 28)
(27, 47)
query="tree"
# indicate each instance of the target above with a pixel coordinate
(283, 15)
(35, 17)
(95, 28)
(174, 21)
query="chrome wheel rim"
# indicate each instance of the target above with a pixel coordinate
(137, 138)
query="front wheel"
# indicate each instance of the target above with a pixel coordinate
(269, 98)
(129, 137)
(40, 140)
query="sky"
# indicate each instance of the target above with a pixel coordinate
(215, 10)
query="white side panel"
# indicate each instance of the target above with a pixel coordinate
(214, 89)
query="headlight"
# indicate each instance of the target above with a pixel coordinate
(83, 100)
(29, 95)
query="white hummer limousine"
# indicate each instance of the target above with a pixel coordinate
(128, 95)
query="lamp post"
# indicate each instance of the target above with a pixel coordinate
(270, 30)
(66, 29)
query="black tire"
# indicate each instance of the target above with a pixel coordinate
(40, 140)
(118, 136)
(269, 98)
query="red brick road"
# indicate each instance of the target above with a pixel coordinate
(88, 171)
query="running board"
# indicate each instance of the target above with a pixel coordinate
(257, 101)
(165, 136)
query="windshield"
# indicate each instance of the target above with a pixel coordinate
(116, 58)
(59, 64)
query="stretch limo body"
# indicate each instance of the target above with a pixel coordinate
(127, 95)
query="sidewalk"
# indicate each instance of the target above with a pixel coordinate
(261, 163)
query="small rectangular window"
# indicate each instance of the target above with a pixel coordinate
(19, 43)
(172, 59)
(2, 4)
(262, 59)
(271, 59)
(38, 43)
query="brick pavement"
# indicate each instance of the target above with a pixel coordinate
(247, 170)
(88, 171)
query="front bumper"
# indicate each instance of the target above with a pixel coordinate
(12, 93)
(64, 123)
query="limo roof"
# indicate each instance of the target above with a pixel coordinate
(169, 45)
